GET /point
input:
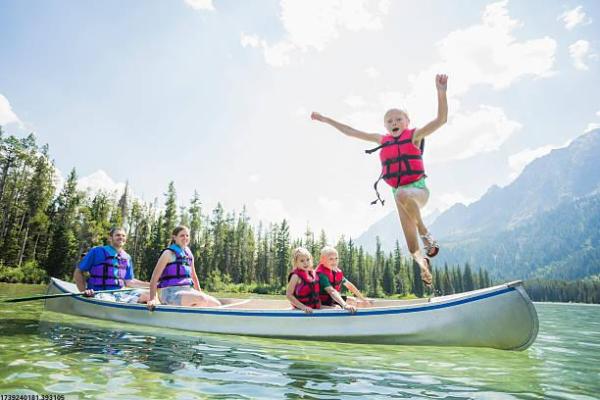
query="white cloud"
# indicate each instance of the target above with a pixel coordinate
(470, 134)
(372, 72)
(301, 112)
(591, 126)
(270, 210)
(313, 24)
(7, 115)
(487, 53)
(201, 4)
(58, 179)
(519, 161)
(99, 181)
(574, 17)
(598, 113)
(355, 101)
(579, 52)
(254, 178)
(330, 205)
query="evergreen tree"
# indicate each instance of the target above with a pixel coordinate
(63, 247)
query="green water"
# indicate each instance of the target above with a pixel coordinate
(43, 352)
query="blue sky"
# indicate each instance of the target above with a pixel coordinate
(216, 95)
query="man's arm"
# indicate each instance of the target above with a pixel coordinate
(441, 83)
(79, 279)
(347, 130)
(137, 283)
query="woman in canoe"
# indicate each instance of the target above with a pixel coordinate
(175, 276)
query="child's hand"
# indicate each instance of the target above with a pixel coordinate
(441, 82)
(349, 308)
(308, 310)
(317, 117)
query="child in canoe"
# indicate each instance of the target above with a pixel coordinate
(402, 169)
(331, 279)
(175, 276)
(303, 284)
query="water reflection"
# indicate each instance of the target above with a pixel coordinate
(299, 368)
(72, 355)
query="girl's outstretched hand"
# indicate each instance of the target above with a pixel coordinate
(441, 82)
(317, 117)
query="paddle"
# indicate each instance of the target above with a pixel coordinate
(51, 296)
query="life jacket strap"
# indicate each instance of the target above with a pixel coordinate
(379, 199)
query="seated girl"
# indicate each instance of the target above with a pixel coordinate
(303, 284)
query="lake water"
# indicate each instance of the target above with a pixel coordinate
(43, 353)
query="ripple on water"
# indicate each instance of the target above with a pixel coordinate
(108, 360)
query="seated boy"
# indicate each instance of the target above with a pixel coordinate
(331, 279)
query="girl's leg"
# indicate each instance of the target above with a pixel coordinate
(144, 297)
(412, 200)
(192, 299)
(409, 227)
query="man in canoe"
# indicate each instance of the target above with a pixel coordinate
(109, 267)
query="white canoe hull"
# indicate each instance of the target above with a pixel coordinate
(501, 317)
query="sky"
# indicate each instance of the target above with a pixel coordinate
(216, 95)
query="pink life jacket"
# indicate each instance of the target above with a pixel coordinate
(307, 291)
(401, 160)
(335, 278)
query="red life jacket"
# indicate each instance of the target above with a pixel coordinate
(401, 160)
(307, 291)
(335, 278)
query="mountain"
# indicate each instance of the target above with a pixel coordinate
(388, 229)
(544, 224)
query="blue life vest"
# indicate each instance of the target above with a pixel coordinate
(110, 272)
(178, 272)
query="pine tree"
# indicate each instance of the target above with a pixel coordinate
(63, 247)
(283, 252)
(468, 283)
(170, 214)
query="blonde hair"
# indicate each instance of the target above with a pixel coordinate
(401, 111)
(325, 251)
(300, 251)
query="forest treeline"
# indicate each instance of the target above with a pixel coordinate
(44, 230)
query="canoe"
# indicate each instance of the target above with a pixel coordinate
(501, 317)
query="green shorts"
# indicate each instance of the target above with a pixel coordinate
(420, 184)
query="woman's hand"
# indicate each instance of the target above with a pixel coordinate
(151, 304)
(88, 293)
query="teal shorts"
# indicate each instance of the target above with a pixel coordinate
(420, 184)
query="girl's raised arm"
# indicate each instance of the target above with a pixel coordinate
(347, 130)
(441, 84)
